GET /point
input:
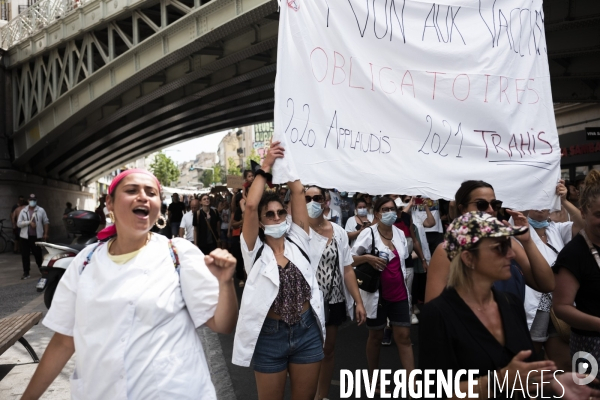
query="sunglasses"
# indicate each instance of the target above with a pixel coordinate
(388, 209)
(483, 205)
(280, 213)
(318, 198)
(500, 248)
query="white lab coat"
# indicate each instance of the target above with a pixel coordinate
(558, 235)
(362, 246)
(262, 287)
(317, 247)
(134, 324)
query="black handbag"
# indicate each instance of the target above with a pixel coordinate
(367, 277)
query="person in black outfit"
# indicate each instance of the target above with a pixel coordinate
(575, 299)
(175, 211)
(471, 325)
(207, 223)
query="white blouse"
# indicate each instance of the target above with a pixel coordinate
(134, 324)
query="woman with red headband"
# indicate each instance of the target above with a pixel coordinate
(129, 306)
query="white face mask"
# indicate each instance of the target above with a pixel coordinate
(276, 231)
(32, 203)
(361, 212)
(314, 209)
(388, 218)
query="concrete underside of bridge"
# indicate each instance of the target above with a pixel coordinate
(122, 78)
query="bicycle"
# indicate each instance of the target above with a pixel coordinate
(6, 239)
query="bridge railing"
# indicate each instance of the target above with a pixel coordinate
(38, 16)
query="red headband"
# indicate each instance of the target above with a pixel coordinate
(112, 230)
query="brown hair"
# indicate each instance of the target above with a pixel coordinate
(463, 194)
(590, 191)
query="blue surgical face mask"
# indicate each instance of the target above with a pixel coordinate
(276, 231)
(361, 212)
(32, 203)
(314, 209)
(538, 224)
(388, 218)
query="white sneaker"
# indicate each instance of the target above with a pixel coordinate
(414, 320)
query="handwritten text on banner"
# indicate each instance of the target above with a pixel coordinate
(412, 97)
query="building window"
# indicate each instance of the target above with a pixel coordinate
(582, 170)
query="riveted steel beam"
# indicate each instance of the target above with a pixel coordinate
(90, 89)
(239, 119)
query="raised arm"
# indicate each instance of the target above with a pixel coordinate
(574, 212)
(299, 210)
(430, 220)
(251, 222)
(536, 270)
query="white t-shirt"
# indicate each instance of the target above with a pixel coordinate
(186, 223)
(557, 235)
(419, 214)
(134, 324)
(351, 225)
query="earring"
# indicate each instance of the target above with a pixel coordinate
(162, 224)
(111, 215)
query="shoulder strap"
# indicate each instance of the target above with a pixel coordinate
(88, 258)
(299, 248)
(591, 247)
(373, 242)
(174, 255)
(258, 253)
(260, 250)
(552, 247)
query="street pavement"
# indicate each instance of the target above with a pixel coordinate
(231, 382)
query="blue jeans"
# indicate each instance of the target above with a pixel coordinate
(280, 344)
(175, 228)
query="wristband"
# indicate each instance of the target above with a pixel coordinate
(266, 175)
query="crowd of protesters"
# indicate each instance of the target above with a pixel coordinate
(493, 289)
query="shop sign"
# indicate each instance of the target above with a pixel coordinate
(592, 133)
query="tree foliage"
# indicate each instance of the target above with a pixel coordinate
(207, 177)
(233, 168)
(254, 156)
(219, 175)
(165, 169)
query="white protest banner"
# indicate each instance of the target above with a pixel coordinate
(413, 97)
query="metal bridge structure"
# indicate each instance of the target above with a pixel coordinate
(93, 84)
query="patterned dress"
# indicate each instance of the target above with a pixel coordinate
(328, 274)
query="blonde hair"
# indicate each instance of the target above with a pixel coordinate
(590, 191)
(460, 274)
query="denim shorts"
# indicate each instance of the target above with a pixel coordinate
(397, 312)
(280, 344)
